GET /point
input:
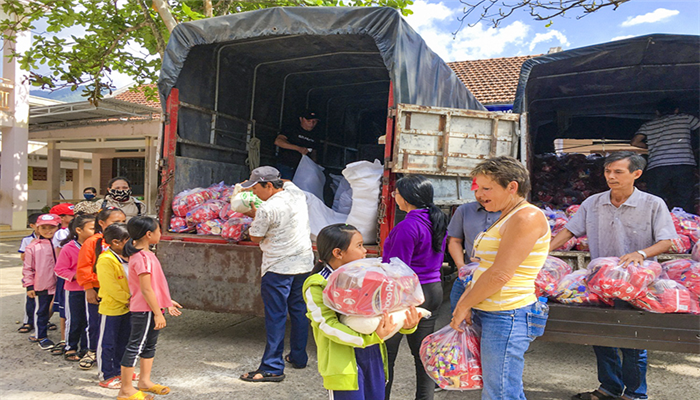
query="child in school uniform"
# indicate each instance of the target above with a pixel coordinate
(39, 278)
(82, 227)
(28, 320)
(115, 320)
(353, 365)
(65, 212)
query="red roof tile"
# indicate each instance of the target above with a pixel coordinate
(137, 97)
(491, 81)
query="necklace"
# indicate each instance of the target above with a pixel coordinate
(483, 233)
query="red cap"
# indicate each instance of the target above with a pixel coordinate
(48, 219)
(62, 209)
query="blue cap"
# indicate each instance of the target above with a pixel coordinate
(543, 299)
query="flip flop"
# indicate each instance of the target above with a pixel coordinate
(59, 348)
(288, 359)
(265, 377)
(157, 389)
(137, 396)
(594, 395)
(51, 326)
(25, 328)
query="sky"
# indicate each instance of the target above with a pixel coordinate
(520, 34)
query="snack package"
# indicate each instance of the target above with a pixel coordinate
(668, 296)
(680, 245)
(685, 272)
(452, 358)
(367, 325)
(608, 279)
(572, 290)
(568, 245)
(180, 225)
(241, 202)
(205, 212)
(236, 227)
(216, 189)
(369, 287)
(211, 227)
(189, 199)
(547, 281)
(467, 270)
(571, 210)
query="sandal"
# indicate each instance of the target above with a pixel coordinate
(594, 395)
(157, 389)
(33, 339)
(25, 328)
(137, 396)
(264, 377)
(87, 361)
(51, 326)
(288, 359)
(71, 355)
(59, 348)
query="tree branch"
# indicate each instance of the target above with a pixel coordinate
(165, 14)
(160, 42)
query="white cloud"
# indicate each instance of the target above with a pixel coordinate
(425, 14)
(546, 37)
(621, 37)
(657, 15)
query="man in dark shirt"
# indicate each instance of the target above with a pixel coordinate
(295, 142)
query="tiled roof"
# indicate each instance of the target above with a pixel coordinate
(137, 97)
(491, 81)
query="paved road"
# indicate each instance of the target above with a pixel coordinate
(201, 355)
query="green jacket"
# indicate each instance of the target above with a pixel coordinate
(336, 342)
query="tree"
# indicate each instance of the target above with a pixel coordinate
(108, 26)
(495, 11)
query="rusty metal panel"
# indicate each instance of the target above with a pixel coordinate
(450, 142)
(192, 172)
(213, 277)
(623, 328)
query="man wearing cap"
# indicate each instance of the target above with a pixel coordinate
(296, 142)
(281, 226)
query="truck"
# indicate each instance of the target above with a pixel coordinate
(230, 84)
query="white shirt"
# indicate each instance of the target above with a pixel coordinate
(59, 236)
(26, 241)
(283, 223)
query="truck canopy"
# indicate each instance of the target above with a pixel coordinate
(608, 90)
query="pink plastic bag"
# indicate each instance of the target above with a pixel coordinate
(452, 358)
(572, 290)
(189, 199)
(608, 279)
(236, 228)
(211, 227)
(467, 270)
(550, 275)
(205, 212)
(668, 296)
(369, 287)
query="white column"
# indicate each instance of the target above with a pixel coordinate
(95, 174)
(13, 163)
(53, 174)
(151, 175)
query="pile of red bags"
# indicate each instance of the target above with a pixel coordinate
(236, 227)
(208, 211)
(550, 275)
(180, 225)
(189, 199)
(685, 272)
(369, 287)
(668, 296)
(452, 358)
(572, 289)
(608, 279)
(563, 180)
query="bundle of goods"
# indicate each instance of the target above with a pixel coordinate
(550, 276)
(557, 221)
(668, 296)
(687, 225)
(452, 358)
(209, 210)
(180, 225)
(685, 272)
(210, 227)
(189, 199)
(216, 190)
(582, 244)
(609, 279)
(572, 290)
(567, 179)
(467, 270)
(235, 227)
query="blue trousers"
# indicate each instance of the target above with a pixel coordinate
(76, 320)
(627, 376)
(29, 306)
(41, 313)
(93, 325)
(114, 335)
(458, 288)
(282, 294)
(370, 377)
(58, 298)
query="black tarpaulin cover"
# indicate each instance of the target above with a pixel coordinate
(419, 76)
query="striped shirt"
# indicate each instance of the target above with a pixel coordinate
(668, 139)
(520, 290)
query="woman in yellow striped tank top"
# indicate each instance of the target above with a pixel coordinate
(501, 300)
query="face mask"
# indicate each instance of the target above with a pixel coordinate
(88, 196)
(120, 195)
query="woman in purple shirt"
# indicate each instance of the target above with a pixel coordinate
(419, 241)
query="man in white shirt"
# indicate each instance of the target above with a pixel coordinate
(281, 227)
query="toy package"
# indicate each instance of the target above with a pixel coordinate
(369, 287)
(572, 290)
(236, 228)
(205, 212)
(547, 281)
(189, 199)
(608, 279)
(210, 227)
(467, 270)
(668, 296)
(452, 358)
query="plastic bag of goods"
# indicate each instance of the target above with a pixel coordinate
(609, 279)
(547, 281)
(216, 189)
(582, 244)
(568, 245)
(369, 287)
(241, 202)
(211, 227)
(180, 225)
(227, 193)
(467, 270)
(695, 255)
(680, 245)
(236, 227)
(205, 212)
(189, 199)
(367, 325)
(668, 296)
(452, 358)
(309, 177)
(571, 210)
(572, 290)
(685, 272)
(686, 224)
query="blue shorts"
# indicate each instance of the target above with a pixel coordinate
(59, 298)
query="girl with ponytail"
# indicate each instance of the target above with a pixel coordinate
(419, 241)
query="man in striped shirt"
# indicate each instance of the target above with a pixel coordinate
(671, 170)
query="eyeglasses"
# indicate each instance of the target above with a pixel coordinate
(477, 241)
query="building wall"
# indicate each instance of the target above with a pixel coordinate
(38, 191)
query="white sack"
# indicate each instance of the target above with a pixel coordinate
(321, 216)
(367, 325)
(365, 180)
(342, 201)
(309, 177)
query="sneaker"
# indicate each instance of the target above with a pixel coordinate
(46, 344)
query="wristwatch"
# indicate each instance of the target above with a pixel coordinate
(642, 253)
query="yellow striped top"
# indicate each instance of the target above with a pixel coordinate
(520, 290)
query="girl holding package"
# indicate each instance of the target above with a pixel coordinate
(149, 296)
(353, 365)
(82, 227)
(115, 321)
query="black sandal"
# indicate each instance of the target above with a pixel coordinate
(265, 377)
(71, 355)
(25, 328)
(59, 348)
(51, 326)
(288, 359)
(594, 395)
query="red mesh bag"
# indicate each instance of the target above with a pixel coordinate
(550, 275)
(189, 199)
(208, 211)
(180, 225)
(680, 245)
(211, 227)
(608, 279)
(236, 228)
(369, 287)
(668, 296)
(452, 358)
(572, 290)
